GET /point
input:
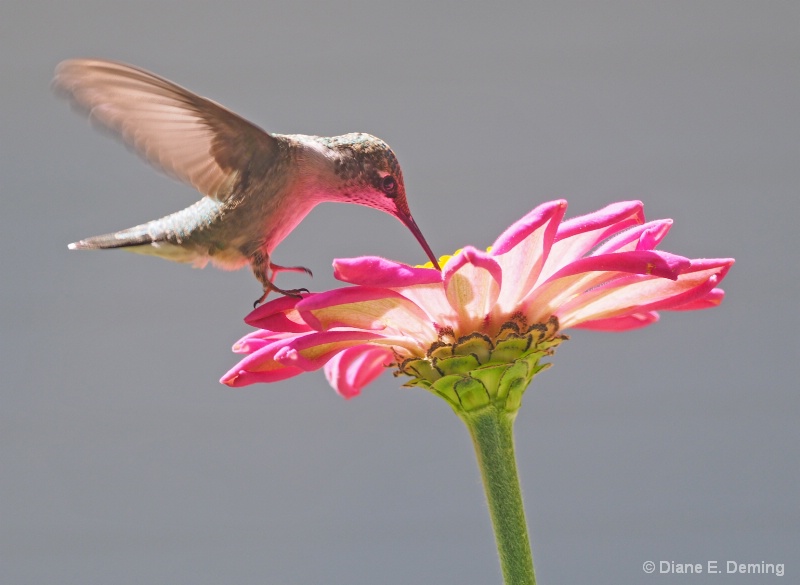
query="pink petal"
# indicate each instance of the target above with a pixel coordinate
(278, 315)
(422, 286)
(651, 236)
(475, 257)
(257, 339)
(624, 323)
(522, 249)
(541, 216)
(472, 281)
(368, 308)
(576, 236)
(649, 262)
(376, 271)
(238, 378)
(355, 367)
(311, 352)
(261, 366)
(636, 294)
(697, 282)
(712, 299)
(655, 232)
(570, 284)
(610, 219)
(644, 237)
(432, 300)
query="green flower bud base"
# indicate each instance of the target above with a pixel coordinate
(476, 370)
(483, 379)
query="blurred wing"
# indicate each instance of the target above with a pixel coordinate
(186, 136)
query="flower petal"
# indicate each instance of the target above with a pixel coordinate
(279, 315)
(649, 262)
(238, 378)
(311, 352)
(624, 323)
(377, 271)
(368, 308)
(635, 294)
(422, 286)
(432, 300)
(694, 284)
(576, 236)
(571, 283)
(355, 367)
(644, 237)
(519, 231)
(255, 340)
(610, 219)
(712, 299)
(261, 366)
(472, 281)
(522, 249)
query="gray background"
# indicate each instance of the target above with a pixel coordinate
(123, 459)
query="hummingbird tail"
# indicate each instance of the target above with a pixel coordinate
(172, 229)
(135, 236)
(145, 240)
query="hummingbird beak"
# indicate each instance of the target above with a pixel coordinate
(409, 222)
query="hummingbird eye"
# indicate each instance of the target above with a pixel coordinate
(389, 186)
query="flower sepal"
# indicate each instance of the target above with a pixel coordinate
(476, 371)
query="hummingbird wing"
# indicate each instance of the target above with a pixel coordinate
(187, 136)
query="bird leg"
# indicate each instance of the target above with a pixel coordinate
(265, 272)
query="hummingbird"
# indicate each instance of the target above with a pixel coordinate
(256, 186)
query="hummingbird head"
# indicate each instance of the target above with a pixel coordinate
(367, 173)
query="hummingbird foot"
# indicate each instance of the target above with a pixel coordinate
(265, 272)
(278, 268)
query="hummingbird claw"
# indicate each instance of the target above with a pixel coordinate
(291, 292)
(278, 268)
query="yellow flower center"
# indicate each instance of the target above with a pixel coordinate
(443, 259)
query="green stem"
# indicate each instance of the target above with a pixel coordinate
(492, 435)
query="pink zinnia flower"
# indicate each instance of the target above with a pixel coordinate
(485, 312)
